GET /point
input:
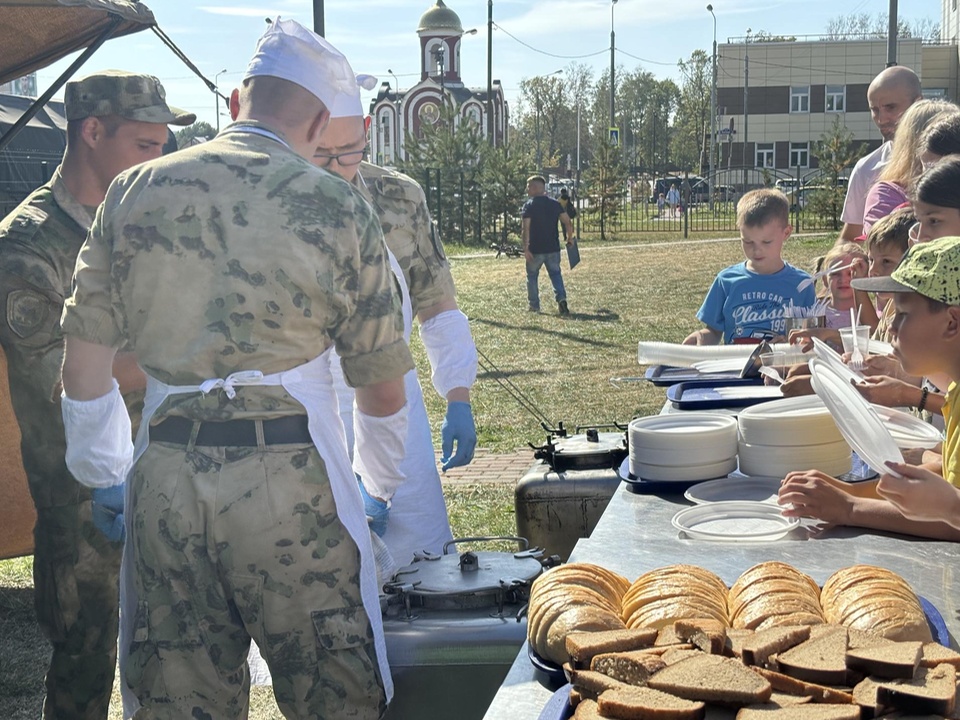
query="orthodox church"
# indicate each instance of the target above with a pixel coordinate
(396, 112)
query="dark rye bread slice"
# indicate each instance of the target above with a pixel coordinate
(781, 700)
(582, 646)
(935, 653)
(757, 649)
(587, 710)
(933, 690)
(633, 668)
(890, 660)
(640, 703)
(802, 712)
(818, 660)
(865, 695)
(590, 684)
(736, 637)
(712, 678)
(816, 693)
(707, 634)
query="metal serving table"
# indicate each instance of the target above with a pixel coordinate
(634, 535)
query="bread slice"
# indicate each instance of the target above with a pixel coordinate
(736, 637)
(633, 668)
(865, 695)
(933, 690)
(816, 693)
(675, 655)
(935, 653)
(891, 660)
(583, 646)
(781, 700)
(587, 710)
(818, 660)
(707, 634)
(640, 703)
(802, 712)
(712, 678)
(757, 649)
(590, 684)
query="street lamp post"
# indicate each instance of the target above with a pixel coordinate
(216, 96)
(613, 45)
(746, 105)
(396, 102)
(490, 127)
(711, 179)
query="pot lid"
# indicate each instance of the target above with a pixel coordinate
(592, 449)
(468, 573)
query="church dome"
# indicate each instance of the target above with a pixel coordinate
(440, 18)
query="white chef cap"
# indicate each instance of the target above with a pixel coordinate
(289, 51)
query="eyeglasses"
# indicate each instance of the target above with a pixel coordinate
(344, 159)
(913, 234)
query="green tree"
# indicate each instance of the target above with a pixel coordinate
(544, 129)
(503, 177)
(446, 159)
(691, 144)
(199, 129)
(835, 151)
(605, 184)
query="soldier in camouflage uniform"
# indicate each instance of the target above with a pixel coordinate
(418, 517)
(232, 268)
(114, 120)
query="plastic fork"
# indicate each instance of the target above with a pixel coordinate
(772, 373)
(856, 357)
(807, 282)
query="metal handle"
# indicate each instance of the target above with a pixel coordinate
(525, 543)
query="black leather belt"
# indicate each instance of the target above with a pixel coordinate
(288, 430)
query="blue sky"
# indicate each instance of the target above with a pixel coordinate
(377, 35)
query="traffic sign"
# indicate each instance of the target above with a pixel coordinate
(615, 136)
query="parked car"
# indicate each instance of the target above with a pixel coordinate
(799, 199)
(721, 193)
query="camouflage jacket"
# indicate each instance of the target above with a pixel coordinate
(39, 244)
(235, 255)
(410, 234)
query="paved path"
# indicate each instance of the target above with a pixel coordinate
(489, 467)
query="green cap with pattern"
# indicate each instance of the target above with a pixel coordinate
(931, 269)
(128, 95)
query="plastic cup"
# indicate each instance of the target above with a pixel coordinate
(776, 360)
(863, 339)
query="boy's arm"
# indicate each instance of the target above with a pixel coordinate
(704, 336)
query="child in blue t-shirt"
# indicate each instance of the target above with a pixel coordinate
(745, 302)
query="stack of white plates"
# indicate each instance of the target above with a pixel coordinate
(684, 448)
(781, 436)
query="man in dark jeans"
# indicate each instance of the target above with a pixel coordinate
(541, 242)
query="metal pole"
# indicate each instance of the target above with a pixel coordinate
(318, 17)
(396, 147)
(537, 128)
(711, 179)
(216, 96)
(892, 35)
(577, 186)
(613, 45)
(490, 125)
(746, 106)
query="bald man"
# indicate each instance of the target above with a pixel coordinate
(889, 95)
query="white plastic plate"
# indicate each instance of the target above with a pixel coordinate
(908, 431)
(734, 520)
(735, 487)
(832, 357)
(858, 421)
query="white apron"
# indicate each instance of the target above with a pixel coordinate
(418, 515)
(310, 384)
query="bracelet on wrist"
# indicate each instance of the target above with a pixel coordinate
(924, 394)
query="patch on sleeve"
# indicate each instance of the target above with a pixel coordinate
(435, 240)
(27, 312)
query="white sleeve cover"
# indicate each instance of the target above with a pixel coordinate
(99, 445)
(379, 450)
(451, 351)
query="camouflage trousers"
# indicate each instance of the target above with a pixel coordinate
(75, 573)
(234, 543)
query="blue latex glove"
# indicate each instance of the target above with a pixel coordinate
(108, 511)
(376, 510)
(458, 425)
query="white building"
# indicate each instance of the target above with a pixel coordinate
(396, 112)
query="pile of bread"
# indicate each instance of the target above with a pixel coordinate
(677, 643)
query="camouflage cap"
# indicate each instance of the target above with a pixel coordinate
(931, 269)
(129, 95)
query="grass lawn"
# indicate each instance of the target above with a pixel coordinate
(621, 293)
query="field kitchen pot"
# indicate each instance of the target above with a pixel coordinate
(562, 496)
(453, 625)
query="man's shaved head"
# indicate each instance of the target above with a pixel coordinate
(889, 95)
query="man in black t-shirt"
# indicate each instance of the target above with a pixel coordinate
(541, 242)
